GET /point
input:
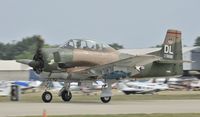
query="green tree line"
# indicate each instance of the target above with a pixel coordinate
(21, 49)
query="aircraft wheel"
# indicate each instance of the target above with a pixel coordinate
(127, 93)
(66, 95)
(106, 99)
(47, 97)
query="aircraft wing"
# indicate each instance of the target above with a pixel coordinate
(126, 65)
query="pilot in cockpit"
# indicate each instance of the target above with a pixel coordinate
(78, 44)
(97, 46)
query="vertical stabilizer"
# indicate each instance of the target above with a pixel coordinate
(172, 46)
(172, 50)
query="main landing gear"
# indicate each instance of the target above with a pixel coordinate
(65, 94)
(47, 96)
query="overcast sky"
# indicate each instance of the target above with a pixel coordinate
(132, 23)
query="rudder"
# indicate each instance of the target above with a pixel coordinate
(172, 46)
(172, 51)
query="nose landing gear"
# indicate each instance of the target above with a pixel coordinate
(47, 97)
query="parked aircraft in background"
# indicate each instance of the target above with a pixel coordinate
(5, 86)
(179, 82)
(195, 84)
(32, 84)
(27, 85)
(85, 60)
(137, 87)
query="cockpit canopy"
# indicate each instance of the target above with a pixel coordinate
(87, 45)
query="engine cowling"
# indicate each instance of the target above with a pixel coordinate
(63, 58)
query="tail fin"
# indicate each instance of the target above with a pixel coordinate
(172, 50)
(172, 46)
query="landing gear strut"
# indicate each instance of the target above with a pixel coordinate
(47, 96)
(106, 93)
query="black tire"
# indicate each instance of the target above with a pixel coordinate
(106, 99)
(66, 95)
(127, 93)
(47, 97)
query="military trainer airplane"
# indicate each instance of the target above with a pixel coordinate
(85, 60)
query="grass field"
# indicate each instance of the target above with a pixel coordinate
(166, 95)
(133, 115)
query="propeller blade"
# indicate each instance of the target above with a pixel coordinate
(24, 61)
(28, 62)
(39, 44)
(38, 62)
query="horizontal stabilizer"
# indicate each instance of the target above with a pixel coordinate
(173, 61)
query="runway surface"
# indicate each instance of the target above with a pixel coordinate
(115, 107)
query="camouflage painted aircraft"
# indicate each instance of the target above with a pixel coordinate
(85, 60)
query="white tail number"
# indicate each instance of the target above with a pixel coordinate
(168, 49)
